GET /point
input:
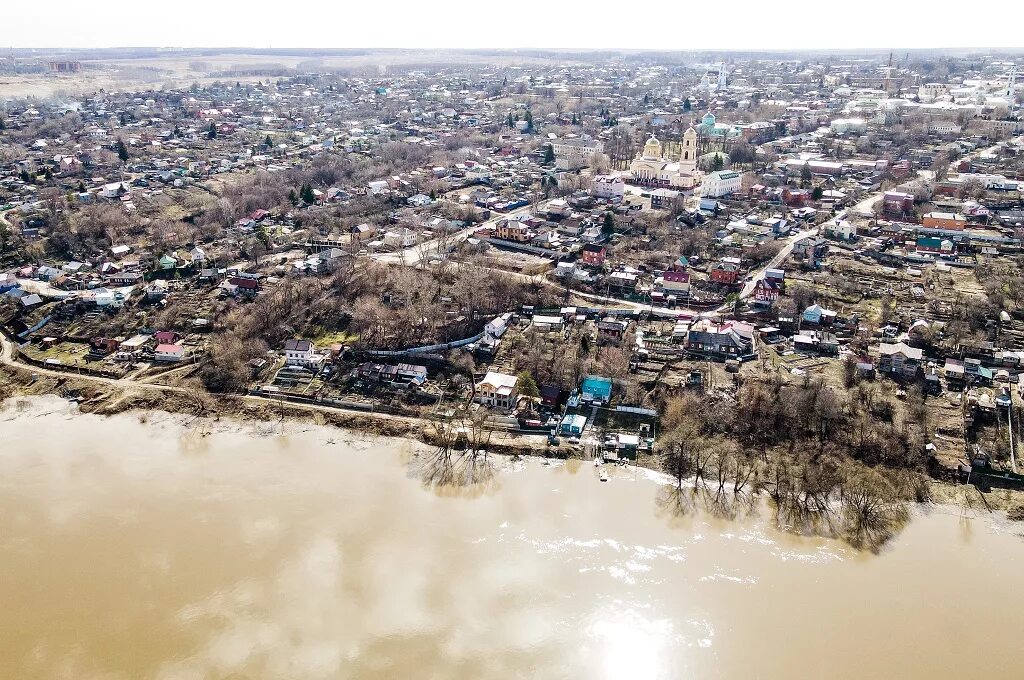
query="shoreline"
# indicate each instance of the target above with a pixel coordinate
(107, 397)
(27, 405)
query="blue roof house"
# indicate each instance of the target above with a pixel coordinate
(597, 389)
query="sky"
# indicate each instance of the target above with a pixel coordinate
(655, 24)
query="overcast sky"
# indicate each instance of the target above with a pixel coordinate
(733, 24)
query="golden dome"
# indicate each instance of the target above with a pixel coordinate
(652, 149)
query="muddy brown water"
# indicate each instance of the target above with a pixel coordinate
(171, 550)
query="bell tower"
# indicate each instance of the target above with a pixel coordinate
(688, 157)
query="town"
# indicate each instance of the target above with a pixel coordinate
(608, 258)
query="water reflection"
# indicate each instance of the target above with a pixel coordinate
(467, 473)
(142, 550)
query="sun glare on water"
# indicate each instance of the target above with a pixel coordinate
(631, 645)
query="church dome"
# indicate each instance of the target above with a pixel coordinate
(652, 149)
(709, 119)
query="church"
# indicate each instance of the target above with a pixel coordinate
(712, 129)
(650, 168)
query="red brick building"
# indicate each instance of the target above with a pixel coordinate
(724, 272)
(593, 255)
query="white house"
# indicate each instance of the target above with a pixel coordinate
(300, 353)
(497, 390)
(841, 229)
(115, 190)
(722, 183)
(497, 326)
(612, 187)
(198, 255)
(169, 352)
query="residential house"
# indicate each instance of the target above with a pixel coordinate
(169, 352)
(166, 338)
(818, 315)
(899, 359)
(399, 374)
(103, 345)
(624, 281)
(593, 255)
(302, 353)
(558, 208)
(544, 323)
(725, 273)
(610, 330)
(572, 424)
(954, 372)
(611, 187)
(114, 190)
(944, 220)
(766, 292)
(7, 281)
(156, 291)
(811, 249)
(718, 340)
(47, 273)
(596, 389)
(934, 245)
(674, 282)
(241, 285)
(512, 230)
(497, 326)
(550, 395)
(975, 373)
(498, 390)
(136, 343)
(816, 342)
(840, 229)
(361, 232)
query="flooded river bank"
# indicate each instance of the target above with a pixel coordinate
(188, 549)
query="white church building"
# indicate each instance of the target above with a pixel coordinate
(651, 168)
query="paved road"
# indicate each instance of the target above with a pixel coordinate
(787, 248)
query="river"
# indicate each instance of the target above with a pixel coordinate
(158, 547)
